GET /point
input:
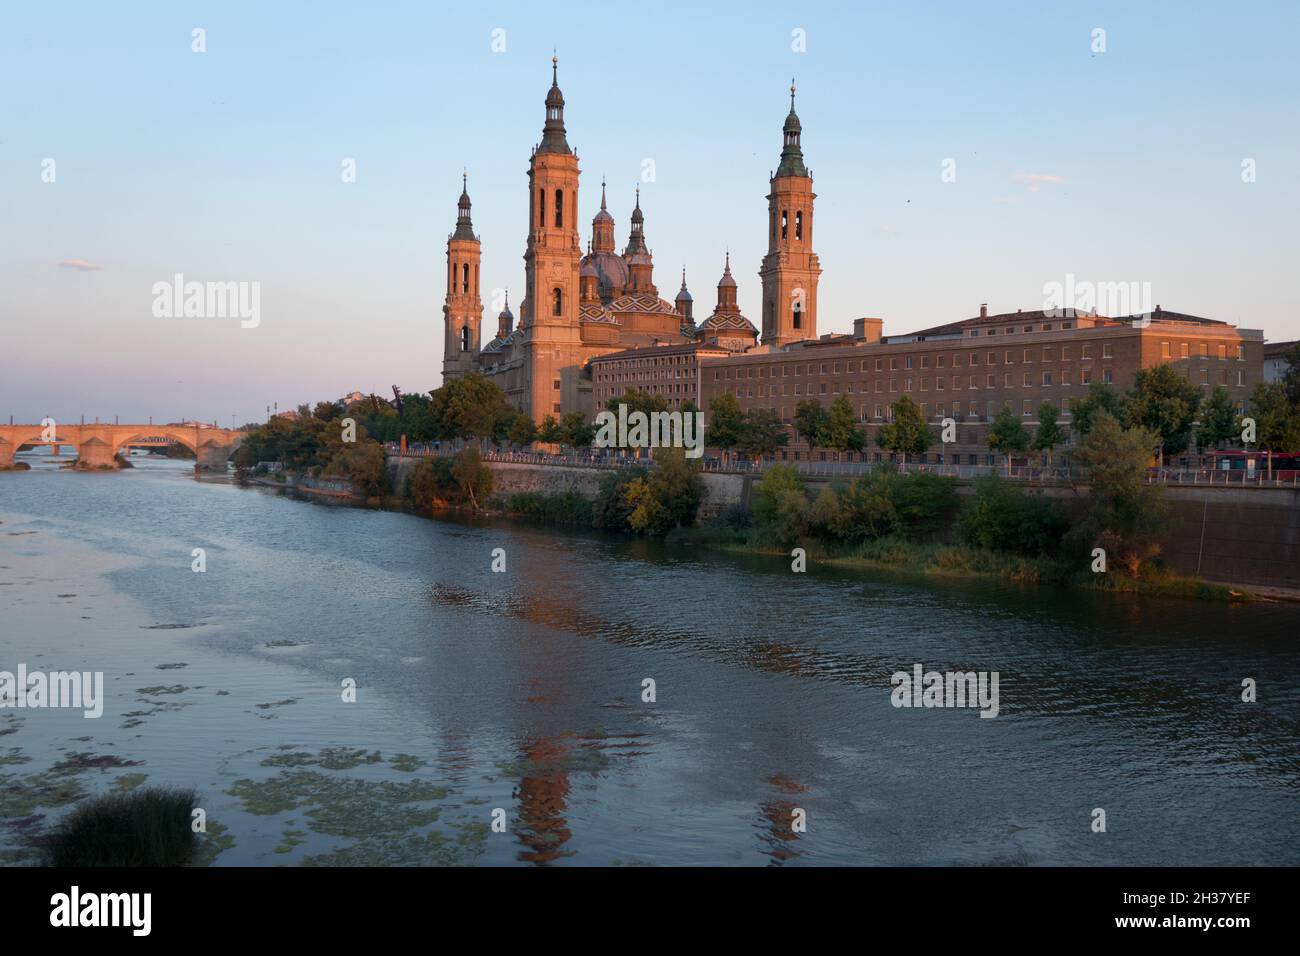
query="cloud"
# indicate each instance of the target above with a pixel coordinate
(1034, 181)
(79, 264)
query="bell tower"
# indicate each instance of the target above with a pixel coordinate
(790, 269)
(552, 263)
(463, 309)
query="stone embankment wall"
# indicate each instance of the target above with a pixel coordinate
(1245, 536)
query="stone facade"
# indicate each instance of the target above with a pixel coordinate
(578, 307)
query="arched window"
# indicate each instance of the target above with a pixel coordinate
(798, 224)
(785, 223)
(541, 207)
(558, 308)
(798, 315)
(464, 338)
(559, 209)
(464, 277)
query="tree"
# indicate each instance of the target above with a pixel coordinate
(472, 477)
(470, 407)
(762, 433)
(1049, 433)
(841, 427)
(667, 497)
(907, 433)
(1099, 398)
(726, 423)
(576, 431)
(1277, 420)
(523, 431)
(1291, 377)
(549, 431)
(1007, 435)
(809, 421)
(1165, 402)
(1125, 511)
(1218, 420)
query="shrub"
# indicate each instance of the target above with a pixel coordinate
(149, 827)
(610, 510)
(770, 492)
(926, 503)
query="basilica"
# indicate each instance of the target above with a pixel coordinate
(579, 306)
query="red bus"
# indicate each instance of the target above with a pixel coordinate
(1250, 465)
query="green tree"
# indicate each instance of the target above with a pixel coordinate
(1125, 511)
(667, 497)
(576, 431)
(841, 427)
(1098, 398)
(907, 434)
(1007, 435)
(473, 478)
(762, 433)
(470, 407)
(771, 489)
(1277, 420)
(1291, 377)
(523, 431)
(1166, 403)
(1218, 421)
(611, 510)
(1049, 433)
(866, 507)
(549, 431)
(726, 424)
(809, 422)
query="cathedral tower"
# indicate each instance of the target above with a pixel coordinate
(463, 310)
(552, 262)
(640, 265)
(790, 268)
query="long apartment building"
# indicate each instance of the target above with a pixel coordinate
(967, 371)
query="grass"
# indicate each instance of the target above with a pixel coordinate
(148, 827)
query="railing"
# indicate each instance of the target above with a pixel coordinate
(1203, 477)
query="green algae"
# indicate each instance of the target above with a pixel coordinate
(330, 758)
(21, 796)
(162, 689)
(279, 703)
(129, 781)
(13, 757)
(290, 839)
(217, 840)
(406, 763)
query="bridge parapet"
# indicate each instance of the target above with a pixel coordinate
(98, 445)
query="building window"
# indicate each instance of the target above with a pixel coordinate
(559, 208)
(1165, 350)
(798, 315)
(1047, 378)
(541, 203)
(464, 278)
(798, 225)
(1107, 377)
(464, 338)
(785, 216)
(558, 308)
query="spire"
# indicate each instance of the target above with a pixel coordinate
(464, 227)
(684, 301)
(727, 290)
(553, 140)
(791, 151)
(636, 241)
(602, 194)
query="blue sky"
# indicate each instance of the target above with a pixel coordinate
(226, 165)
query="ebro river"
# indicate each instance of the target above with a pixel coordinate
(347, 686)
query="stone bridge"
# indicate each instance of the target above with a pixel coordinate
(98, 445)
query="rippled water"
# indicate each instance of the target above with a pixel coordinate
(522, 691)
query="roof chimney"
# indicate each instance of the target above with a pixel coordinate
(984, 310)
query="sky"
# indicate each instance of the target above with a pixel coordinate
(126, 158)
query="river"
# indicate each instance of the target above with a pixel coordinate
(522, 692)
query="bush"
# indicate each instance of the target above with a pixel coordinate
(566, 508)
(610, 510)
(735, 517)
(667, 498)
(149, 827)
(1001, 517)
(926, 503)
